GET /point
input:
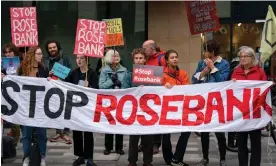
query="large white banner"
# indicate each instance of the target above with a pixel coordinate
(220, 107)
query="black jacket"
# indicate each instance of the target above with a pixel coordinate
(76, 75)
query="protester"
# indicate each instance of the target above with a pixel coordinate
(249, 69)
(174, 76)
(140, 58)
(32, 66)
(155, 58)
(10, 50)
(22, 52)
(113, 76)
(83, 141)
(212, 69)
(55, 54)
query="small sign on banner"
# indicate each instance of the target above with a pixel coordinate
(202, 16)
(24, 26)
(10, 65)
(114, 36)
(90, 38)
(60, 70)
(147, 75)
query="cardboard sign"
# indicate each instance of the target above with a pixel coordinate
(202, 16)
(90, 38)
(147, 75)
(24, 26)
(60, 70)
(10, 65)
(114, 35)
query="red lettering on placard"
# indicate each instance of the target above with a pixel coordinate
(119, 112)
(193, 110)
(145, 108)
(105, 110)
(259, 100)
(214, 102)
(166, 108)
(243, 106)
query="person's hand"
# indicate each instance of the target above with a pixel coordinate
(209, 63)
(114, 77)
(234, 79)
(118, 83)
(2, 75)
(205, 71)
(51, 73)
(168, 85)
(49, 78)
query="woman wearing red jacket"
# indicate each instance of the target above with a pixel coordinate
(174, 76)
(249, 70)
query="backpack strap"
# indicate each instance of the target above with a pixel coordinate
(159, 59)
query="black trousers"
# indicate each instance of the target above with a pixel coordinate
(83, 144)
(108, 141)
(221, 143)
(157, 140)
(147, 142)
(256, 148)
(179, 150)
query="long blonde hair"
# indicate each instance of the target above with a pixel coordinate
(27, 64)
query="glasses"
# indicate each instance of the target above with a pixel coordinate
(246, 56)
(40, 53)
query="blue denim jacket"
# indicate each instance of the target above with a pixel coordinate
(219, 74)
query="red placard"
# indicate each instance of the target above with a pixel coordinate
(24, 26)
(202, 16)
(90, 38)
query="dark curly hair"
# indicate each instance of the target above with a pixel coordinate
(212, 46)
(139, 51)
(11, 47)
(167, 54)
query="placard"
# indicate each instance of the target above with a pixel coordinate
(90, 38)
(24, 26)
(202, 16)
(114, 36)
(60, 70)
(147, 75)
(10, 65)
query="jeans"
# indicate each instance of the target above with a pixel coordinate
(179, 150)
(256, 148)
(221, 143)
(41, 138)
(147, 143)
(83, 144)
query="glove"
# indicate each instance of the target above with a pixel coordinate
(114, 77)
(118, 83)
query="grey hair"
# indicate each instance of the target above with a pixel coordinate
(108, 58)
(250, 52)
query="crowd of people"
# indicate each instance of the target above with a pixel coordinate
(113, 75)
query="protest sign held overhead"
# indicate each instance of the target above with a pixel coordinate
(114, 36)
(202, 16)
(90, 38)
(213, 107)
(147, 75)
(24, 26)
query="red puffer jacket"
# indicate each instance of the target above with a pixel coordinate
(255, 73)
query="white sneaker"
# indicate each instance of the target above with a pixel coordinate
(43, 162)
(26, 162)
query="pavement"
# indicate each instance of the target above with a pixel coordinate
(60, 154)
